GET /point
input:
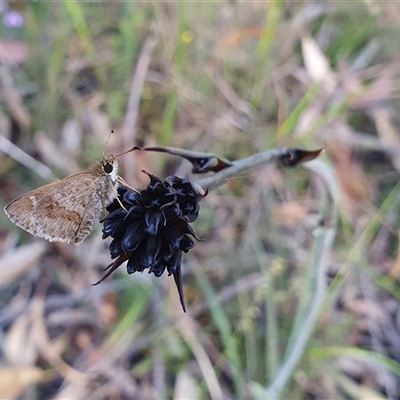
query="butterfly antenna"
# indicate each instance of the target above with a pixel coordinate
(108, 139)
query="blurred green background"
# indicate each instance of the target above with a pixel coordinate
(294, 292)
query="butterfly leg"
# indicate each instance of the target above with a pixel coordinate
(116, 196)
(123, 182)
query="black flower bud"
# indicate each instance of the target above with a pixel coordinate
(150, 228)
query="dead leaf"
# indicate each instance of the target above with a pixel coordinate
(317, 64)
(185, 387)
(292, 157)
(19, 346)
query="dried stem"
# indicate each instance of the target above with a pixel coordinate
(323, 241)
(241, 166)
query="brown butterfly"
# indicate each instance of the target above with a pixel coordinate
(67, 210)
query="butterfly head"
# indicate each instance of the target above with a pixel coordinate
(109, 166)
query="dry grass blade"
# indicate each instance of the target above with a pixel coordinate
(18, 337)
(186, 327)
(17, 262)
(317, 64)
(25, 159)
(324, 236)
(132, 110)
(185, 387)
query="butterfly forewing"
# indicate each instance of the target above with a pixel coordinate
(64, 211)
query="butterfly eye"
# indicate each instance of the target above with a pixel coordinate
(108, 168)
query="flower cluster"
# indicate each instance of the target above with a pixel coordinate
(151, 228)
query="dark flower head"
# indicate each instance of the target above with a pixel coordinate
(150, 228)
